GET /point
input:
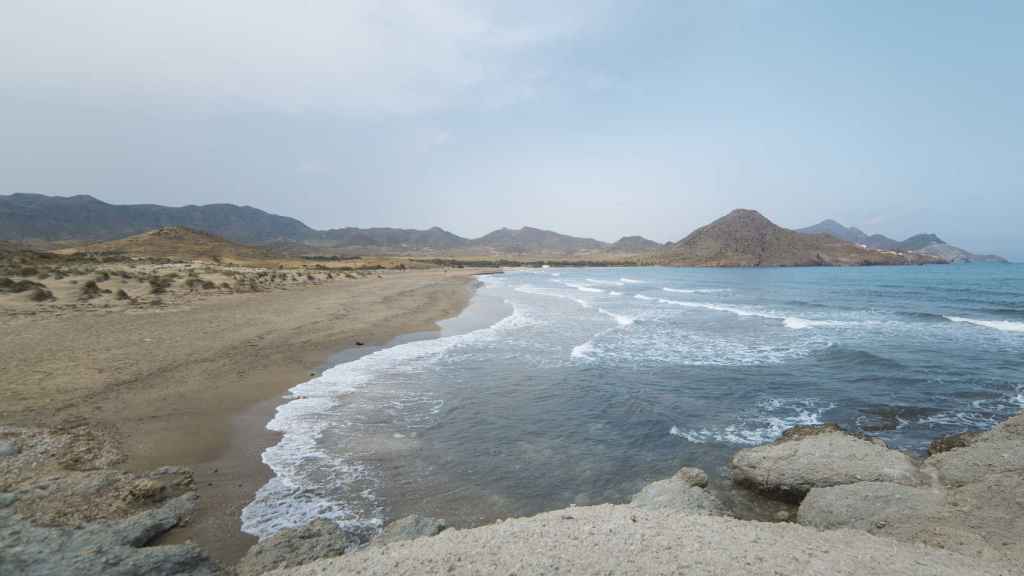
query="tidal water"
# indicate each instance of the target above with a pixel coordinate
(563, 386)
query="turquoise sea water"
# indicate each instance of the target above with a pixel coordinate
(562, 386)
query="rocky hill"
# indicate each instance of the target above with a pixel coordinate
(34, 217)
(84, 218)
(924, 244)
(534, 240)
(746, 238)
(634, 245)
(176, 242)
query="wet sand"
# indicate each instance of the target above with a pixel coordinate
(195, 384)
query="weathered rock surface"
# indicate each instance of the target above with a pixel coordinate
(976, 508)
(295, 546)
(998, 451)
(409, 528)
(611, 539)
(683, 493)
(693, 476)
(102, 548)
(793, 465)
(65, 477)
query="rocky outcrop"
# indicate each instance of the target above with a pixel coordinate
(820, 457)
(998, 451)
(975, 506)
(683, 493)
(319, 539)
(102, 548)
(623, 539)
(409, 528)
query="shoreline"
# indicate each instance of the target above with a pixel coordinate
(201, 398)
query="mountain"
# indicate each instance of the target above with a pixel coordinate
(84, 218)
(634, 244)
(955, 255)
(746, 238)
(925, 244)
(34, 217)
(177, 242)
(535, 240)
(833, 228)
(398, 238)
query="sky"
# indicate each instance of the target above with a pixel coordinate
(598, 119)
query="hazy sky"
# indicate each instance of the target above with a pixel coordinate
(599, 119)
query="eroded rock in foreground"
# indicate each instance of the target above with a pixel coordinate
(319, 539)
(102, 548)
(623, 539)
(684, 493)
(409, 528)
(818, 457)
(976, 507)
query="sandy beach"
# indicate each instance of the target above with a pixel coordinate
(194, 384)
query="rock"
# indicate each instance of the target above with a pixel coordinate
(982, 520)
(788, 468)
(7, 499)
(409, 528)
(947, 443)
(8, 448)
(693, 477)
(869, 506)
(806, 431)
(101, 548)
(680, 494)
(145, 490)
(998, 451)
(290, 547)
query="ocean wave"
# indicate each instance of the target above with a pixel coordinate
(584, 288)
(696, 290)
(1001, 325)
(584, 351)
(622, 319)
(605, 282)
(614, 293)
(631, 281)
(299, 492)
(771, 418)
(791, 322)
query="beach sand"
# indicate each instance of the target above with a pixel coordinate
(194, 384)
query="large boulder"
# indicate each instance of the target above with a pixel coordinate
(871, 506)
(295, 546)
(998, 451)
(683, 493)
(793, 465)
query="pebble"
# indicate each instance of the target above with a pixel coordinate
(8, 448)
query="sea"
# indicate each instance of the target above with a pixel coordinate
(563, 386)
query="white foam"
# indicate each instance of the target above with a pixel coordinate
(643, 297)
(795, 323)
(622, 319)
(695, 290)
(584, 288)
(605, 282)
(291, 498)
(614, 293)
(1002, 325)
(762, 428)
(791, 322)
(584, 351)
(631, 281)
